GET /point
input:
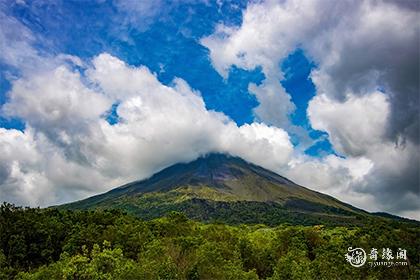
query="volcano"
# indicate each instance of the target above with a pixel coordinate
(220, 187)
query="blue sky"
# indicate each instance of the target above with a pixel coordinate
(94, 94)
(168, 46)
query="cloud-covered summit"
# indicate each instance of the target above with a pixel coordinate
(136, 69)
(69, 148)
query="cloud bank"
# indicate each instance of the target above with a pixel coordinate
(367, 84)
(68, 149)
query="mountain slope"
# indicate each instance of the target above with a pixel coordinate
(221, 187)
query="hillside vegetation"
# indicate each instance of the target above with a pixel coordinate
(63, 244)
(219, 187)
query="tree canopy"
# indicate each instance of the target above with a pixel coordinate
(63, 244)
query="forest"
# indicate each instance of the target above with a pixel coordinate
(110, 244)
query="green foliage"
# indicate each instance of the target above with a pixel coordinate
(106, 263)
(57, 244)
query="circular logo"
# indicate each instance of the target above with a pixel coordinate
(356, 257)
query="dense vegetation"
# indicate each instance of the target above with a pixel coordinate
(155, 205)
(61, 244)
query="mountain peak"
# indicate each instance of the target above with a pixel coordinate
(214, 182)
(214, 160)
(216, 156)
(217, 167)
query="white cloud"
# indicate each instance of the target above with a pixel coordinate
(360, 48)
(274, 103)
(269, 32)
(264, 145)
(77, 153)
(357, 128)
(58, 99)
(354, 125)
(20, 168)
(335, 176)
(353, 43)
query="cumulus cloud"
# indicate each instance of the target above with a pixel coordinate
(334, 175)
(264, 145)
(269, 32)
(358, 46)
(20, 167)
(357, 128)
(366, 79)
(378, 48)
(354, 125)
(72, 151)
